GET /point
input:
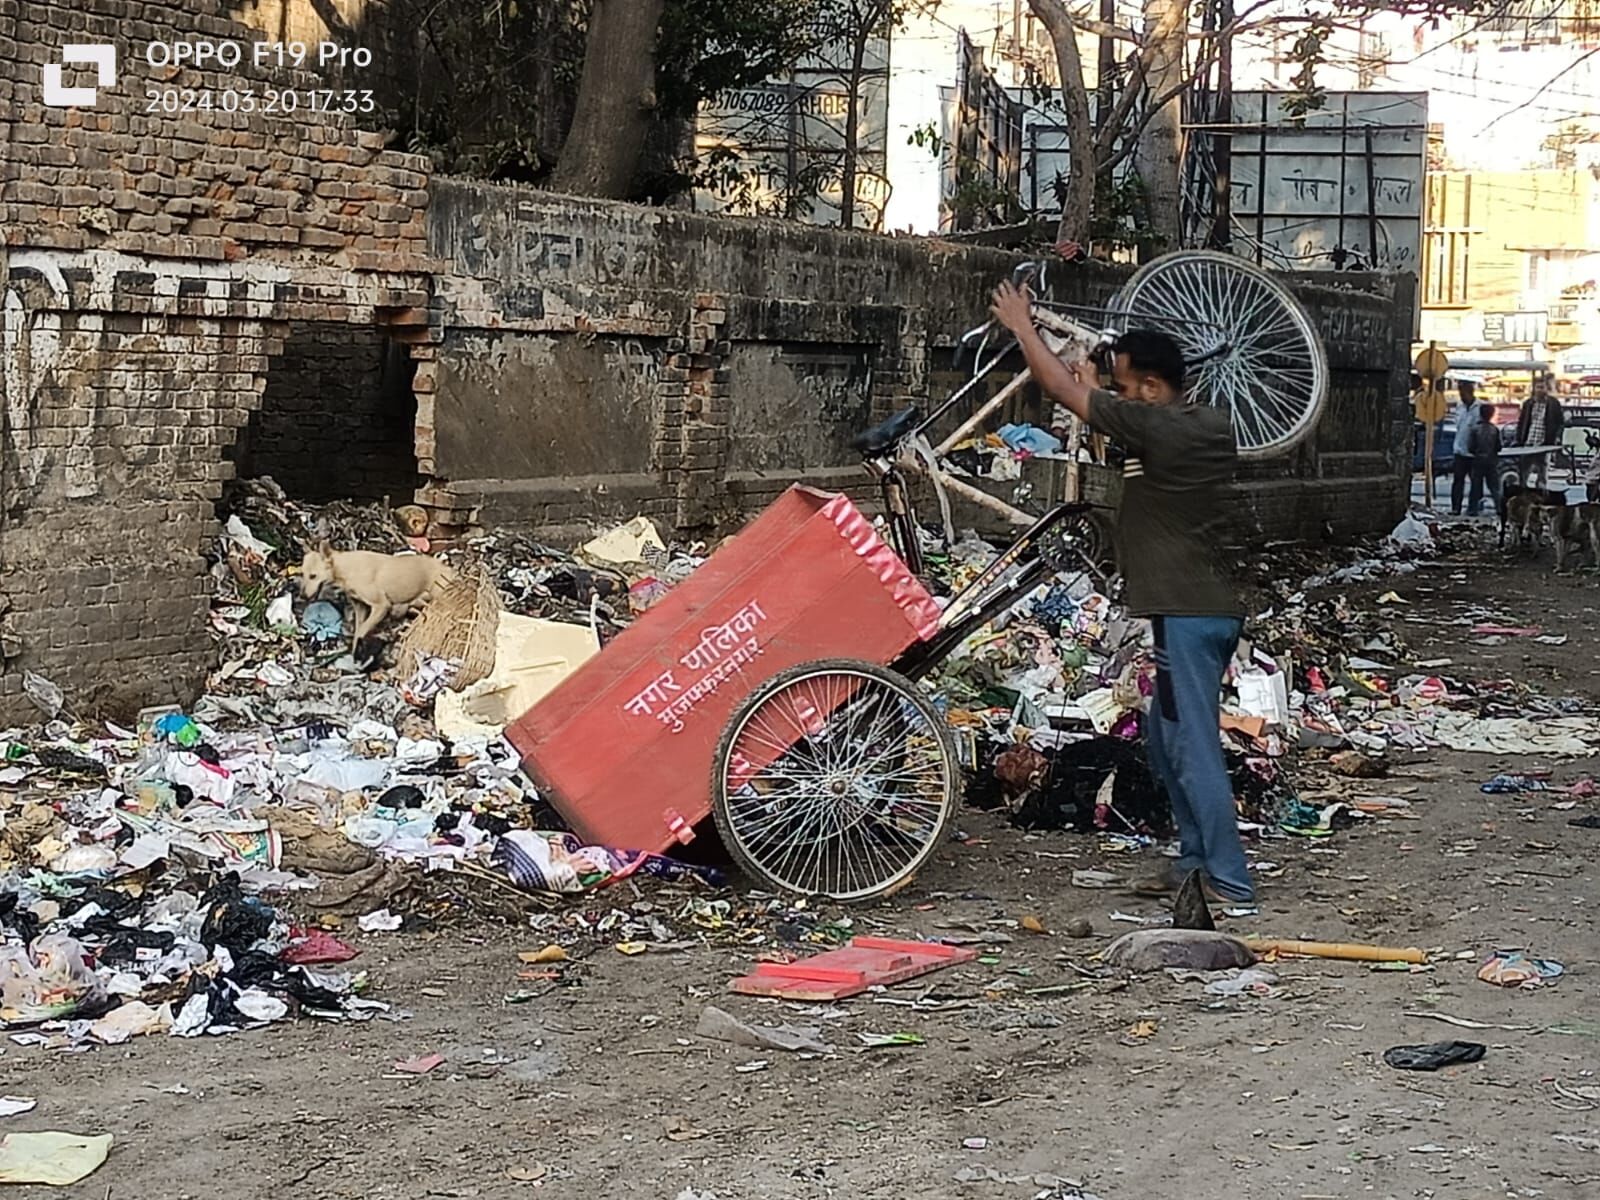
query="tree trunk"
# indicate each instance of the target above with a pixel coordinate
(1160, 155)
(852, 125)
(616, 97)
(1077, 208)
(1222, 215)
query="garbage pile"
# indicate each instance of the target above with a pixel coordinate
(182, 875)
(1050, 695)
(111, 932)
(1000, 455)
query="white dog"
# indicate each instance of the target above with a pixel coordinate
(382, 584)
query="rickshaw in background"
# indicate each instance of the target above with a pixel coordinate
(786, 671)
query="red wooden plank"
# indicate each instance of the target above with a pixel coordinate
(935, 949)
(810, 969)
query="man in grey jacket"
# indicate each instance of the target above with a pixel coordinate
(1541, 423)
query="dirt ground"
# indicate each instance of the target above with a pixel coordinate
(573, 1093)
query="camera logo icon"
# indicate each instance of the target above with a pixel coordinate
(101, 56)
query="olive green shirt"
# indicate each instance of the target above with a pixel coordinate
(1180, 460)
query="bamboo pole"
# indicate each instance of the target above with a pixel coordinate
(1059, 334)
(981, 498)
(1348, 951)
(1016, 384)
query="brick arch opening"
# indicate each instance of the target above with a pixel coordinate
(337, 418)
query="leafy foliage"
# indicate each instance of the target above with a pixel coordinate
(495, 97)
(709, 46)
(1309, 51)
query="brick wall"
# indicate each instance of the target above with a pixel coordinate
(571, 362)
(158, 263)
(337, 419)
(598, 360)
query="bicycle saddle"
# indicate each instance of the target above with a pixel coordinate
(880, 437)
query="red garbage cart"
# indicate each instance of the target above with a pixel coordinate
(776, 689)
(753, 689)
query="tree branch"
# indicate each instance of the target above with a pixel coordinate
(1543, 88)
(1101, 29)
(1111, 128)
(1129, 132)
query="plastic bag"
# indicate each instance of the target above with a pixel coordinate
(47, 981)
(1412, 533)
(57, 1159)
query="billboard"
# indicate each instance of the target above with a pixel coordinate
(782, 141)
(1338, 189)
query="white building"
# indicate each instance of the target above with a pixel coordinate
(923, 70)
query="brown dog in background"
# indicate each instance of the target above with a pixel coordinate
(1522, 509)
(1574, 523)
(382, 584)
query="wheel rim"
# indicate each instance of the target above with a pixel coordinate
(836, 783)
(1082, 544)
(1271, 374)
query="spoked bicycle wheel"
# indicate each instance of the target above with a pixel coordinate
(1257, 353)
(1082, 543)
(835, 778)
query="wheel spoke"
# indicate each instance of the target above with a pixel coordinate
(856, 787)
(1272, 377)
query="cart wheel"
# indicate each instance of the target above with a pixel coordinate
(1258, 353)
(835, 778)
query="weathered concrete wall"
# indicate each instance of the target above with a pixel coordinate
(600, 359)
(748, 351)
(158, 264)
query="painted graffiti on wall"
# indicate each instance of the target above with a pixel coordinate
(60, 364)
(30, 352)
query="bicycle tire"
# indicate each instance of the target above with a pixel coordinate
(734, 811)
(1204, 299)
(1083, 543)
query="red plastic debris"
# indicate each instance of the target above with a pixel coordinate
(309, 946)
(850, 970)
(420, 1065)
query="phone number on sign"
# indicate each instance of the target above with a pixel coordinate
(267, 100)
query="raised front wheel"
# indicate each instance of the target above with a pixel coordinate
(1253, 347)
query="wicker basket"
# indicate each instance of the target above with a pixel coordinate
(460, 624)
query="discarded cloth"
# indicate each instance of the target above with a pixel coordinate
(1433, 1056)
(1558, 737)
(560, 862)
(1509, 969)
(1030, 439)
(1508, 785)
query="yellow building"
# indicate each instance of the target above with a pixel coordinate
(1511, 259)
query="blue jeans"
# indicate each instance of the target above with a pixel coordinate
(1185, 748)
